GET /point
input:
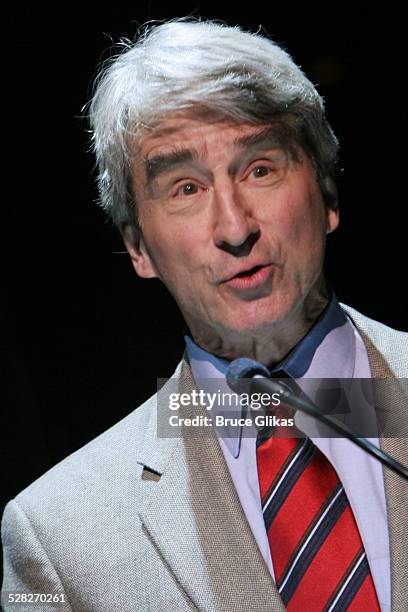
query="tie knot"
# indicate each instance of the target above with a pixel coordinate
(279, 417)
(278, 422)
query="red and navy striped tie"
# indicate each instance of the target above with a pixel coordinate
(318, 557)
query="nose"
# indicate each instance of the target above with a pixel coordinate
(235, 229)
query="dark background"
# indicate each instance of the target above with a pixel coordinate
(83, 339)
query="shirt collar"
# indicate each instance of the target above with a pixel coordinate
(300, 358)
(313, 357)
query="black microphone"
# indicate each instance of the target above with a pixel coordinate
(242, 369)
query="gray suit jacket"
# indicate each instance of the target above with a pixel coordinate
(132, 522)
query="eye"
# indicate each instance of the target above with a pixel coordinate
(187, 189)
(266, 172)
(260, 171)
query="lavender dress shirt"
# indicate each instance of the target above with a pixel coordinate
(331, 349)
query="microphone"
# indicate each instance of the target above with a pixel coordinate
(242, 369)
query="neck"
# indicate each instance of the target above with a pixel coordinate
(271, 343)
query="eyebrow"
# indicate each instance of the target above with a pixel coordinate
(166, 162)
(268, 138)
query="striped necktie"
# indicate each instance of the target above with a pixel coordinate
(317, 553)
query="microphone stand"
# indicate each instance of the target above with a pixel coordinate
(270, 386)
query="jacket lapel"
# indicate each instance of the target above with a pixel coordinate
(195, 519)
(393, 404)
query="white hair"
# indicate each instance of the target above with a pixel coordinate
(207, 67)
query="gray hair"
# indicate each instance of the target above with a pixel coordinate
(200, 66)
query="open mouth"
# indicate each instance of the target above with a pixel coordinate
(252, 279)
(250, 272)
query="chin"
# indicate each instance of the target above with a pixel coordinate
(257, 320)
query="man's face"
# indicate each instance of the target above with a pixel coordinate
(233, 226)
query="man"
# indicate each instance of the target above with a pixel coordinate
(217, 164)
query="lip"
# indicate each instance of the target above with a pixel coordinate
(254, 277)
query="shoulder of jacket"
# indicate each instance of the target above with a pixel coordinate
(391, 343)
(371, 326)
(113, 453)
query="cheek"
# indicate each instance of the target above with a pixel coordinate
(303, 226)
(299, 230)
(175, 250)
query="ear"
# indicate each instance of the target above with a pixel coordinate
(333, 219)
(141, 259)
(331, 199)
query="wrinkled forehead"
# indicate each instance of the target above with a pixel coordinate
(166, 129)
(183, 133)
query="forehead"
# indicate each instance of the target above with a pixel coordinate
(202, 135)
